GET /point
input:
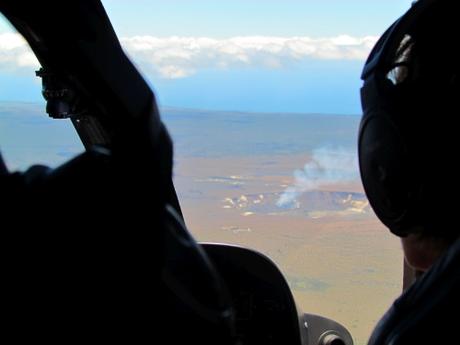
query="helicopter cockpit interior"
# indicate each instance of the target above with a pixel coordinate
(105, 253)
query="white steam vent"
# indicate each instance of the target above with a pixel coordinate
(328, 166)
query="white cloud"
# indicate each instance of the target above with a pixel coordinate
(180, 57)
(15, 54)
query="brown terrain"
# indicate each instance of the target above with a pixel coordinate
(338, 259)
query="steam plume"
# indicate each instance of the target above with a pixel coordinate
(328, 166)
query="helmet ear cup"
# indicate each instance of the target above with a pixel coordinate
(383, 160)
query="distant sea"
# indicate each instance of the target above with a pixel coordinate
(28, 136)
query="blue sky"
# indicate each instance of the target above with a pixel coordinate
(253, 17)
(246, 55)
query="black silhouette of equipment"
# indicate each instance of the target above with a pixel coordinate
(100, 252)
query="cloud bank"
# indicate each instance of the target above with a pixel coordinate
(15, 53)
(180, 57)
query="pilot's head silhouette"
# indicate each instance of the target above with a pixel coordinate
(407, 146)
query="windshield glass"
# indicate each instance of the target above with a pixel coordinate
(27, 135)
(262, 101)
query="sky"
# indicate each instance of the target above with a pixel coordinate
(245, 55)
